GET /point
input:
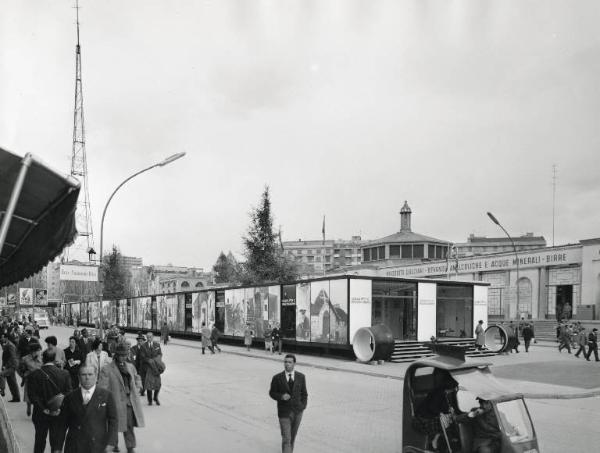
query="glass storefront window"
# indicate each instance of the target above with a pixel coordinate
(454, 311)
(395, 305)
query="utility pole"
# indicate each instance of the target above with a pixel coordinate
(553, 200)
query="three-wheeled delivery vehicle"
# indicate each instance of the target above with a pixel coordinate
(454, 405)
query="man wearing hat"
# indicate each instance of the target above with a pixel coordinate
(121, 379)
(135, 357)
(26, 338)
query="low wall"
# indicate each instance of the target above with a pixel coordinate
(8, 441)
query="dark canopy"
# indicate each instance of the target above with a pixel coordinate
(43, 223)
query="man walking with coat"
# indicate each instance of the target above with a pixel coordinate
(10, 363)
(152, 366)
(44, 384)
(91, 416)
(592, 344)
(288, 388)
(122, 380)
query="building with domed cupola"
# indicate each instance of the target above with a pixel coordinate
(404, 246)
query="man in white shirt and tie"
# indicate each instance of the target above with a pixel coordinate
(91, 415)
(288, 388)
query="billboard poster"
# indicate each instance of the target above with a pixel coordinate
(180, 319)
(273, 316)
(235, 313)
(171, 306)
(3, 301)
(211, 307)
(360, 305)
(303, 312)
(256, 299)
(78, 273)
(26, 296)
(84, 313)
(11, 299)
(196, 322)
(122, 312)
(161, 310)
(75, 313)
(94, 313)
(41, 297)
(319, 312)
(338, 321)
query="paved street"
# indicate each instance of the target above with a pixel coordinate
(220, 403)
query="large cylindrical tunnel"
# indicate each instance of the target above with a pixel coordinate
(373, 343)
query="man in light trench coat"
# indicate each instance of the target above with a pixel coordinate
(121, 378)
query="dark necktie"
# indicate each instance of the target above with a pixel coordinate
(290, 381)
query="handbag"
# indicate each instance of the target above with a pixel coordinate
(55, 403)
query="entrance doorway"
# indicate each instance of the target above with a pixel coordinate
(564, 302)
(395, 305)
(454, 311)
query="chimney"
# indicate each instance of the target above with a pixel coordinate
(405, 214)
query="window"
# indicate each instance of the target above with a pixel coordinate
(394, 251)
(311, 259)
(318, 259)
(366, 254)
(431, 252)
(407, 251)
(327, 258)
(374, 254)
(418, 251)
(382, 252)
(319, 251)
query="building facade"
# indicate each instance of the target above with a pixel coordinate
(318, 257)
(481, 245)
(561, 282)
(404, 246)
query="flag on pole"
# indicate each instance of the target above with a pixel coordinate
(323, 230)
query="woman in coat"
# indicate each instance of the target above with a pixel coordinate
(480, 335)
(97, 358)
(248, 337)
(30, 363)
(206, 341)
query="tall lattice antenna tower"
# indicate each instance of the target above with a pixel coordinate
(85, 240)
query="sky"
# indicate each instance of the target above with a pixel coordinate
(343, 108)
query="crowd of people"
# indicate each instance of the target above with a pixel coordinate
(575, 336)
(79, 398)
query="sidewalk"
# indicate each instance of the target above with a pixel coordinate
(390, 370)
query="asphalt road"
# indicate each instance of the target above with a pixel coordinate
(220, 403)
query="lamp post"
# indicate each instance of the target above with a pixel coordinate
(495, 220)
(167, 161)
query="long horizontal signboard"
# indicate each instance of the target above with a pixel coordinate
(79, 273)
(562, 257)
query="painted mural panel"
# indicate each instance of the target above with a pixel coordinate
(338, 320)
(211, 307)
(303, 312)
(273, 310)
(161, 310)
(76, 312)
(94, 313)
(84, 312)
(196, 322)
(180, 318)
(171, 308)
(255, 300)
(122, 307)
(319, 311)
(235, 313)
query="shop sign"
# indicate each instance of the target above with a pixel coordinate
(551, 257)
(79, 273)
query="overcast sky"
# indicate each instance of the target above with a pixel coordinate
(344, 108)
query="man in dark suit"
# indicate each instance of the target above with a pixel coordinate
(91, 416)
(288, 388)
(42, 385)
(10, 363)
(85, 343)
(26, 338)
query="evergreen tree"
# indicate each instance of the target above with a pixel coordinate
(265, 261)
(116, 278)
(225, 269)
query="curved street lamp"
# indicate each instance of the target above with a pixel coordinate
(167, 161)
(495, 220)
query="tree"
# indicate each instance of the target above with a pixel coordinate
(116, 277)
(265, 261)
(225, 268)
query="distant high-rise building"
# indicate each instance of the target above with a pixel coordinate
(481, 245)
(317, 256)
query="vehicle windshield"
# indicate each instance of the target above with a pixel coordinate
(514, 421)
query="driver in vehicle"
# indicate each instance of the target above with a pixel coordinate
(435, 410)
(487, 436)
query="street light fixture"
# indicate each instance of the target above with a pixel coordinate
(495, 220)
(167, 161)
